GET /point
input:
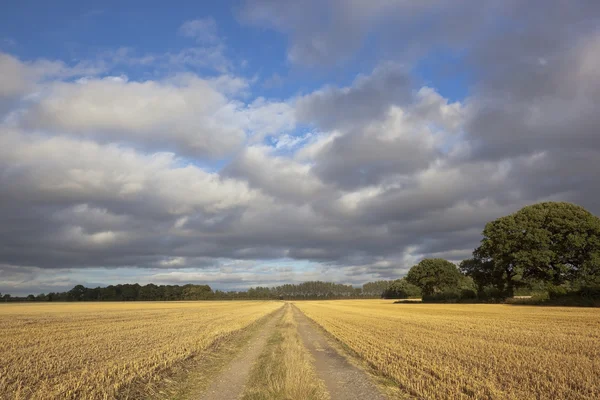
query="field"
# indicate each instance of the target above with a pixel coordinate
(99, 350)
(471, 351)
(425, 351)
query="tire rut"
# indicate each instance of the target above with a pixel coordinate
(229, 384)
(343, 380)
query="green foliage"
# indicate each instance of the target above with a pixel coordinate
(468, 294)
(375, 289)
(197, 292)
(586, 296)
(482, 273)
(401, 289)
(151, 292)
(434, 275)
(549, 242)
(452, 296)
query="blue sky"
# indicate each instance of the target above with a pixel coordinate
(73, 31)
(260, 142)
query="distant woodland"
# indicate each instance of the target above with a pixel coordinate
(151, 292)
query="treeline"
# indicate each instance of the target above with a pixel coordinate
(551, 250)
(151, 292)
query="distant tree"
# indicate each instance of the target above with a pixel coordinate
(150, 292)
(375, 289)
(197, 292)
(401, 289)
(551, 242)
(41, 297)
(77, 293)
(434, 275)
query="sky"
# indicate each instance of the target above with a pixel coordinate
(260, 142)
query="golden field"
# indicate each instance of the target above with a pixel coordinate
(99, 350)
(438, 351)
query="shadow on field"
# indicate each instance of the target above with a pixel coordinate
(409, 301)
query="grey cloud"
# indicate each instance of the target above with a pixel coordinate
(369, 98)
(382, 127)
(332, 31)
(549, 105)
(277, 176)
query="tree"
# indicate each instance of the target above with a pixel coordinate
(375, 289)
(434, 275)
(483, 273)
(553, 242)
(401, 289)
(77, 293)
(197, 292)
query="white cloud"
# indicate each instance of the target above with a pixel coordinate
(277, 176)
(82, 172)
(186, 115)
(204, 30)
(17, 78)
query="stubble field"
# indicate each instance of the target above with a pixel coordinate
(435, 351)
(99, 350)
(426, 351)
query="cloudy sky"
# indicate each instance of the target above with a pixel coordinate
(258, 142)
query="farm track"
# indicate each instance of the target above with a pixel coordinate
(229, 383)
(343, 380)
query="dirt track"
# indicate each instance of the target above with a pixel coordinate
(343, 380)
(229, 384)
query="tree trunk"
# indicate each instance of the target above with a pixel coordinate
(510, 287)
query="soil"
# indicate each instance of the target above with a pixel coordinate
(229, 383)
(343, 380)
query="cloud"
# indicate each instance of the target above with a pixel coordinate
(187, 115)
(319, 31)
(19, 79)
(277, 176)
(14, 78)
(210, 52)
(380, 128)
(204, 30)
(71, 199)
(546, 106)
(367, 99)
(185, 177)
(330, 32)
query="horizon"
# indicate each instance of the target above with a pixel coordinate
(256, 143)
(355, 286)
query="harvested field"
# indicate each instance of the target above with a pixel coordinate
(101, 350)
(437, 351)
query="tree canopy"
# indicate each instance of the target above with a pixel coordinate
(434, 275)
(553, 242)
(401, 289)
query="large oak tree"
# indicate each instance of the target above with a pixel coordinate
(553, 242)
